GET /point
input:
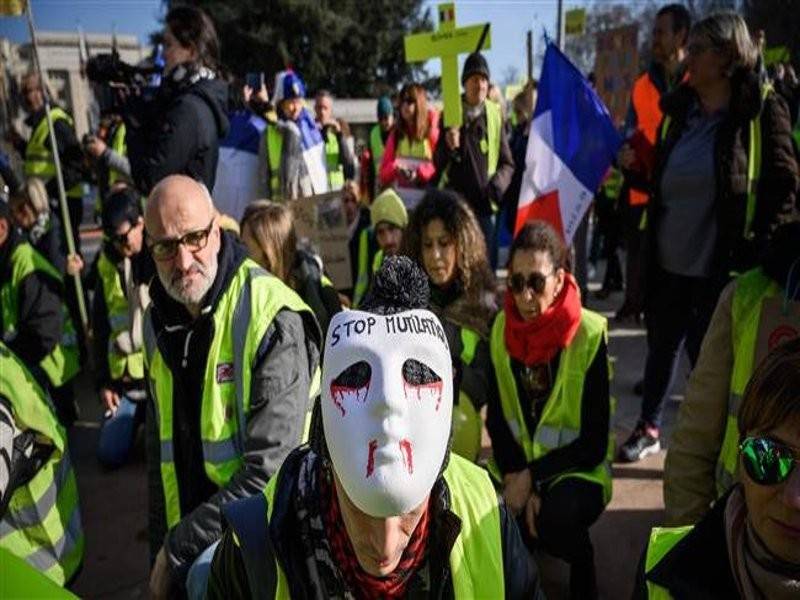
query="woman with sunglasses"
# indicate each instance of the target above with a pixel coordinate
(748, 544)
(408, 157)
(549, 412)
(444, 237)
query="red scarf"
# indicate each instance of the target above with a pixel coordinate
(359, 581)
(538, 341)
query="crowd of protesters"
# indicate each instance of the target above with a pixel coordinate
(306, 438)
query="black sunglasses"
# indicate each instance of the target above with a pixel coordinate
(194, 241)
(535, 281)
(120, 239)
(766, 461)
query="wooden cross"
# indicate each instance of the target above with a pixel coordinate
(446, 43)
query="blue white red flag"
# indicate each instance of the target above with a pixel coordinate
(571, 145)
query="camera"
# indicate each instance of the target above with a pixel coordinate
(112, 77)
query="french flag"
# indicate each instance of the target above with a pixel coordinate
(571, 145)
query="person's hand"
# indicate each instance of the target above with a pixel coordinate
(531, 512)
(517, 488)
(95, 147)
(247, 93)
(159, 577)
(453, 138)
(626, 157)
(74, 264)
(110, 400)
(13, 136)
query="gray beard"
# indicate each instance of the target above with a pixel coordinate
(193, 297)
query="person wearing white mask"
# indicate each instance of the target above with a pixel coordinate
(376, 505)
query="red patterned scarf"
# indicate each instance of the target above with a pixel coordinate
(538, 341)
(363, 584)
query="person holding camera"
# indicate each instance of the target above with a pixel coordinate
(179, 131)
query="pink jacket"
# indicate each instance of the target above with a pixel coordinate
(426, 171)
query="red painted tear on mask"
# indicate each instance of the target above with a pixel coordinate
(407, 454)
(424, 391)
(342, 394)
(373, 445)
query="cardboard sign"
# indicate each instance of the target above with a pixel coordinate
(776, 326)
(616, 67)
(446, 43)
(321, 227)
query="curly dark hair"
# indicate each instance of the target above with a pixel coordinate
(540, 236)
(472, 263)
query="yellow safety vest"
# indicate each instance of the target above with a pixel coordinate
(335, 168)
(274, 144)
(560, 423)
(753, 165)
(63, 362)
(476, 559)
(662, 540)
(489, 145)
(119, 320)
(38, 157)
(467, 422)
(43, 522)
(120, 146)
(242, 316)
(752, 288)
(417, 149)
(376, 147)
(365, 275)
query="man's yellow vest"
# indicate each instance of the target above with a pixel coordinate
(243, 314)
(274, 144)
(120, 146)
(560, 423)
(376, 148)
(752, 288)
(476, 559)
(335, 168)
(119, 319)
(43, 522)
(467, 422)
(38, 157)
(662, 540)
(63, 363)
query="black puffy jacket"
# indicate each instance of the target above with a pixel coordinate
(178, 133)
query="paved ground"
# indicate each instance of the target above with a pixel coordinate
(114, 503)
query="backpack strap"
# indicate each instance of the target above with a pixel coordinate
(248, 520)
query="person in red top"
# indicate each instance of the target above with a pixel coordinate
(670, 32)
(408, 157)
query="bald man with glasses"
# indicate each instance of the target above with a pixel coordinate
(230, 355)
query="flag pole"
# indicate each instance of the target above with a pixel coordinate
(62, 194)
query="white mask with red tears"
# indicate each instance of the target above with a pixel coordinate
(387, 401)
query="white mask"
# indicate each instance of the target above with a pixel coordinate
(387, 436)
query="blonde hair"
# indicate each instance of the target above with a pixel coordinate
(32, 192)
(272, 226)
(727, 33)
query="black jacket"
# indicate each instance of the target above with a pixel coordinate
(178, 134)
(40, 320)
(697, 567)
(777, 186)
(229, 576)
(286, 359)
(467, 170)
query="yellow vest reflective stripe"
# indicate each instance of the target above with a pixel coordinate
(118, 145)
(242, 316)
(662, 540)
(335, 168)
(274, 141)
(39, 158)
(376, 147)
(476, 558)
(560, 423)
(753, 162)
(63, 362)
(362, 279)
(119, 320)
(752, 288)
(43, 522)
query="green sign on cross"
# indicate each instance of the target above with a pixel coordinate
(446, 43)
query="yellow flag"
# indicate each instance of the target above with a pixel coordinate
(12, 8)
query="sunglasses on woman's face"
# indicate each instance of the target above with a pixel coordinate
(768, 462)
(535, 281)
